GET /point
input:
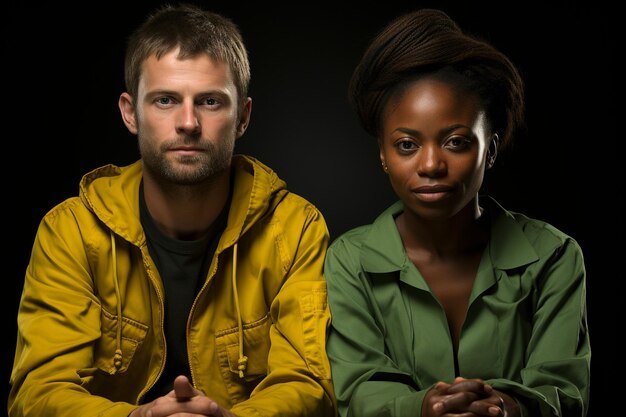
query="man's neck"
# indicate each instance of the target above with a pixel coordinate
(186, 212)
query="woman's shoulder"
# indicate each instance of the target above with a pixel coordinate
(352, 238)
(542, 235)
(381, 228)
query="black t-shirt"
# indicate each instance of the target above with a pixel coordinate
(183, 266)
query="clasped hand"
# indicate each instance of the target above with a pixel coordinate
(464, 397)
(183, 400)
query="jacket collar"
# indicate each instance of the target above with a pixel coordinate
(112, 193)
(382, 250)
(257, 190)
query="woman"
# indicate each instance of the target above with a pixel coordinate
(448, 304)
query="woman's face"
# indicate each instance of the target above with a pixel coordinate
(434, 144)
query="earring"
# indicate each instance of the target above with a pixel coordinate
(384, 165)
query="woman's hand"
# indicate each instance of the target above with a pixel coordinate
(463, 398)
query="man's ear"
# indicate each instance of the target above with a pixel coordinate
(129, 115)
(244, 117)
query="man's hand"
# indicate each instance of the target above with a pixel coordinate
(183, 399)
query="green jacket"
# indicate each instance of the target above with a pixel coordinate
(525, 331)
(92, 290)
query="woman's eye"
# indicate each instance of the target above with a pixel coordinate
(406, 145)
(458, 143)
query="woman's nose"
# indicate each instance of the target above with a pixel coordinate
(431, 162)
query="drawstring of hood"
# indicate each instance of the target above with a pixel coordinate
(243, 360)
(117, 359)
(106, 192)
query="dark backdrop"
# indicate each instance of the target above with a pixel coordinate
(63, 74)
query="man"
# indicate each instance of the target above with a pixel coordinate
(190, 281)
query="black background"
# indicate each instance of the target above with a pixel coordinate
(63, 73)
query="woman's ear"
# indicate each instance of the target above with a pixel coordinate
(492, 152)
(382, 160)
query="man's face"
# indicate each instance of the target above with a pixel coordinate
(187, 118)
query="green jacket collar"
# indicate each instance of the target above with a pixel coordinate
(509, 248)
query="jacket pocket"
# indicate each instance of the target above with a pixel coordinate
(133, 334)
(256, 346)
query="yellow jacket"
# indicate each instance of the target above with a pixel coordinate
(90, 325)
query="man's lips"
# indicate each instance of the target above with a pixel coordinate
(187, 150)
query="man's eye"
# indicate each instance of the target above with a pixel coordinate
(210, 102)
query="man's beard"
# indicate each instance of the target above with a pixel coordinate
(186, 170)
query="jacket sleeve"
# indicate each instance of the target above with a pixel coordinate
(298, 381)
(555, 380)
(367, 381)
(58, 324)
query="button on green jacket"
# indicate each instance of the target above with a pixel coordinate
(525, 332)
(90, 323)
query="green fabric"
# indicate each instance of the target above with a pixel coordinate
(525, 331)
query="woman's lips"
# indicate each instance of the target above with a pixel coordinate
(432, 193)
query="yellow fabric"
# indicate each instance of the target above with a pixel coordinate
(65, 362)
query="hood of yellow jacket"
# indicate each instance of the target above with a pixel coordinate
(112, 193)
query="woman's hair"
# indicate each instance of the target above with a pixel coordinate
(194, 31)
(428, 43)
